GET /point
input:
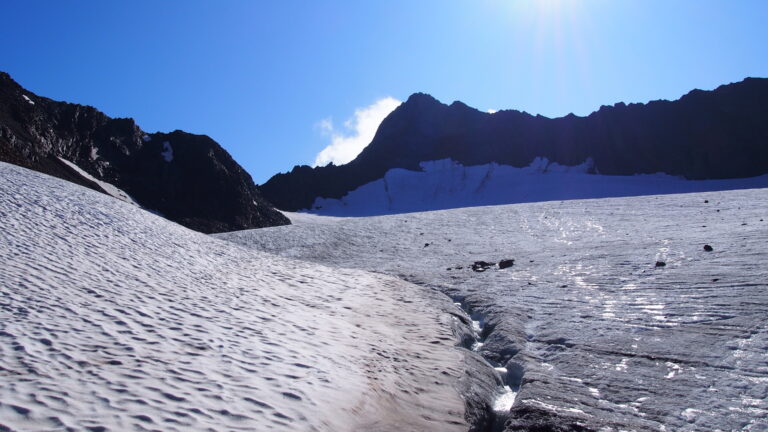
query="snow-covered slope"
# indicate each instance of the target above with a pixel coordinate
(595, 336)
(112, 318)
(447, 184)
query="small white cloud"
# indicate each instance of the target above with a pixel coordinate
(325, 126)
(492, 111)
(359, 131)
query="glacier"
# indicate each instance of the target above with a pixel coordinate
(592, 335)
(446, 184)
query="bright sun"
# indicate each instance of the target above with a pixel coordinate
(555, 6)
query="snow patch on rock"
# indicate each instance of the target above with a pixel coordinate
(109, 188)
(167, 152)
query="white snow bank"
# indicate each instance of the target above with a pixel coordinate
(26, 98)
(114, 318)
(109, 188)
(445, 184)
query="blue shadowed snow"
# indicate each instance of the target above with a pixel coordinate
(445, 184)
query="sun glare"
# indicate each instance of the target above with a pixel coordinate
(557, 37)
(549, 5)
(555, 7)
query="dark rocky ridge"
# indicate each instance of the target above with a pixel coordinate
(202, 187)
(715, 134)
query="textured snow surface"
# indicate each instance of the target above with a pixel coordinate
(114, 319)
(445, 184)
(603, 337)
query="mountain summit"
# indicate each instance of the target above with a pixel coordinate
(189, 179)
(716, 134)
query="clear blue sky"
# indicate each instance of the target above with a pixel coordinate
(259, 76)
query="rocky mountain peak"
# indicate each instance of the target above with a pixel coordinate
(715, 134)
(187, 178)
(421, 99)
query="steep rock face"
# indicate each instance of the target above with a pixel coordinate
(704, 135)
(187, 178)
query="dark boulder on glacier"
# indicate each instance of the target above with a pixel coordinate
(189, 179)
(715, 134)
(505, 263)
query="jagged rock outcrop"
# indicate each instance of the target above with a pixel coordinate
(187, 178)
(704, 135)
